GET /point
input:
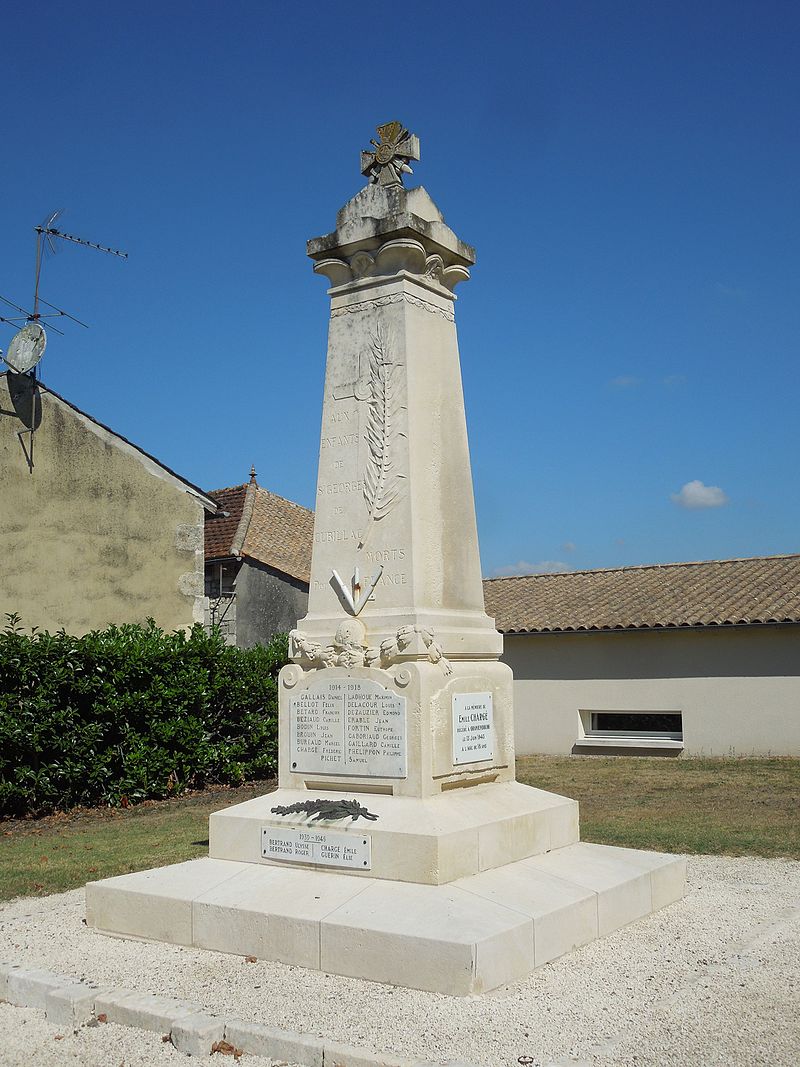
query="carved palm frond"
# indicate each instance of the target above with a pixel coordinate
(384, 482)
(326, 810)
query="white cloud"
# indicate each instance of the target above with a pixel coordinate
(545, 566)
(673, 380)
(696, 495)
(625, 381)
(568, 546)
(520, 567)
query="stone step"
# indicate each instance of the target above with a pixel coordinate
(469, 936)
(431, 840)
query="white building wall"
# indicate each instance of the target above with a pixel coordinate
(738, 689)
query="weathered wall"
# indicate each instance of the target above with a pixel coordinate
(267, 602)
(738, 689)
(97, 533)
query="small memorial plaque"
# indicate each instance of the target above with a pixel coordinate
(296, 844)
(472, 727)
(351, 726)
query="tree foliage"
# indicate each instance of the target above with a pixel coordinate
(128, 713)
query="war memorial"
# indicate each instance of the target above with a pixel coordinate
(398, 847)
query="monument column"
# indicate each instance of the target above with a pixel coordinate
(396, 595)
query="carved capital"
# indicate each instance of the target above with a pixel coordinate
(392, 257)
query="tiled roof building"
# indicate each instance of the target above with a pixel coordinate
(262, 526)
(730, 592)
(258, 562)
(701, 658)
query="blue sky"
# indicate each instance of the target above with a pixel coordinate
(628, 173)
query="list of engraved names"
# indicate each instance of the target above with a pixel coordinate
(352, 726)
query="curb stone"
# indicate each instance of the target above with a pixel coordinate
(145, 1010)
(71, 1005)
(30, 987)
(195, 1034)
(262, 1040)
(5, 971)
(67, 1001)
(336, 1055)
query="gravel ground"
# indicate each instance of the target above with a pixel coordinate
(712, 980)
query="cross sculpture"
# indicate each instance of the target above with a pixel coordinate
(389, 162)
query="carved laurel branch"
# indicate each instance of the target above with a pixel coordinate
(383, 482)
(329, 810)
(395, 298)
(352, 654)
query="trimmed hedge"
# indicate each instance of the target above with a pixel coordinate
(128, 713)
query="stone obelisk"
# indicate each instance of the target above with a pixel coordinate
(398, 846)
(396, 596)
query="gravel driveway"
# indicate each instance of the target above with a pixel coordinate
(714, 979)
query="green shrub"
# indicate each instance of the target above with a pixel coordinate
(131, 712)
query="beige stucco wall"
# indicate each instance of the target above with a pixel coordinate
(97, 533)
(737, 689)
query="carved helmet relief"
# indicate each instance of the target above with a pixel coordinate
(349, 649)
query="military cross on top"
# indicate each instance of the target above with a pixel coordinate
(387, 164)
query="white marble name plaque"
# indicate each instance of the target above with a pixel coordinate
(472, 727)
(299, 845)
(350, 726)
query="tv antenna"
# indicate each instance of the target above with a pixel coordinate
(29, 339)
(27, 345)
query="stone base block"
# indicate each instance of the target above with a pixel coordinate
(431, 840)
(469, 936)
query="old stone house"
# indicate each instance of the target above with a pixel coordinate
(94, 530)
(257, 563)
(699, 658)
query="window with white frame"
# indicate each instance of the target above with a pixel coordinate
(630, 729)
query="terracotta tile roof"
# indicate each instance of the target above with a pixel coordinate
(280, 534)
(715, 593)
(262, 526)
(221, 528)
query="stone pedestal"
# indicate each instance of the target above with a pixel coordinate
(399, 847)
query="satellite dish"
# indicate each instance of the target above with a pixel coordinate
(26, 348)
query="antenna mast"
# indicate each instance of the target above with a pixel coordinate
(44, 239)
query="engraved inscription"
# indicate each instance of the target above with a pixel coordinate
(327, 537)
(340, 440)
(385, 555)
(351, 727)
(327, 488)
(398, 578)
(297, 845)
(472, 727)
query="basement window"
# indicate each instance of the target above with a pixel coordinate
(631, 729)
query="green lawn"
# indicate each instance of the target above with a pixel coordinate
(739, 807)
(60, 852)
(732, 807)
